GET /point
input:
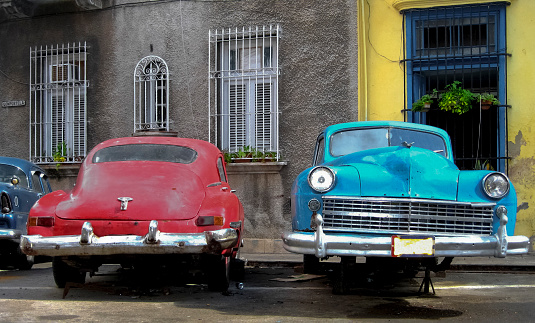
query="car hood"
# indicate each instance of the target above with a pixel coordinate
(404, 172)
(158, 191)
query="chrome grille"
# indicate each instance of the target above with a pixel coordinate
(407, 216)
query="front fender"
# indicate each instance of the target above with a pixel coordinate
(470, 189)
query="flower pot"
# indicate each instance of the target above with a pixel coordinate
(427, 107)
(485, 105)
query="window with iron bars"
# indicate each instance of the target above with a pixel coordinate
(151, 94)
(465, 44)
(58, 97)
(244, 71)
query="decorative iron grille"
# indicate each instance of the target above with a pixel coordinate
(151, 94)
(58, 100)
(465, 44)
(243, 89)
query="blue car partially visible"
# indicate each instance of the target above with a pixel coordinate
(390, 192)
(22, 183)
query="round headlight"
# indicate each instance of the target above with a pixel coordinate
(321, 179)
(496, 185)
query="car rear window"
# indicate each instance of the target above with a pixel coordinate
(146, 152)
(8, 171)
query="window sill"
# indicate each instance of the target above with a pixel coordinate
(64, 170)
(255, 168)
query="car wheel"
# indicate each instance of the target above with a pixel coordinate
(311, 264)
(63, 273)
(219, 273)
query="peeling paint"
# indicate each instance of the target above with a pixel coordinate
(514, 147)
(523, 206)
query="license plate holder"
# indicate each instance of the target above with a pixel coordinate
(413, 246)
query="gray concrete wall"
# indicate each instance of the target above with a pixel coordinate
(317, 85)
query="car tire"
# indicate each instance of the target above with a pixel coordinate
(64, 273)
(311, 264)
(218, 272)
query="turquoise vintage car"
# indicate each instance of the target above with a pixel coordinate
(390, 192)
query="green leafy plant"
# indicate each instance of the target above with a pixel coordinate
(424, 102)
(60, 153)
(486, 165)
(490, 99)
(456, 99)
(250, 154)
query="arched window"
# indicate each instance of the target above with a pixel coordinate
(151, 94)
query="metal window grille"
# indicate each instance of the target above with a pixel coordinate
(243, 89)
(58, 101)
(465, 44)
(151, 94)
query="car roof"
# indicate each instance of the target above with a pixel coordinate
(23, 164)
(399, 124)
(204, 149)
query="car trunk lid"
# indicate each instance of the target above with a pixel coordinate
(139, 190)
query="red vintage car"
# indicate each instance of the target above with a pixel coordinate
(137, 201)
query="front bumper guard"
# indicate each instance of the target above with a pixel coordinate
(154, 242)
(344, 244)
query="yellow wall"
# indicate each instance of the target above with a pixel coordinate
(381, 82)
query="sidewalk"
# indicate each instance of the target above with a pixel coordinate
(269, 253)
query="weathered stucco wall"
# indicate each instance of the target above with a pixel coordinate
(317, 84)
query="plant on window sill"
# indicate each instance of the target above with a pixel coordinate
(248, 154)
(486, 165)
(60, 154)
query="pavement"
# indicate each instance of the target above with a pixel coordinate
(269, 253)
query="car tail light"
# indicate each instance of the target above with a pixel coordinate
(209, 220)
(42, 221)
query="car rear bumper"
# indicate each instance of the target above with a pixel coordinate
(324, 244)
(154, 242)
(10, 234)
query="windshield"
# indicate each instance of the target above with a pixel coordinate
(351, 141)
(146, 152)
(8, 171)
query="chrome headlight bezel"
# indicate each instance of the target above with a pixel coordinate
(490, 182)
(318, 173)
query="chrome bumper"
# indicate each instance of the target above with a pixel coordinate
(345, 244)
(10, 234)
(154, 242)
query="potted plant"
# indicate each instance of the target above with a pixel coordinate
(424, 103)
(486, 100)
(456, 99)
(60, 154)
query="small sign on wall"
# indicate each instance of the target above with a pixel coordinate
(15, 103)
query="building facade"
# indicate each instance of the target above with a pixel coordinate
(262, 75)
(410, 48)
